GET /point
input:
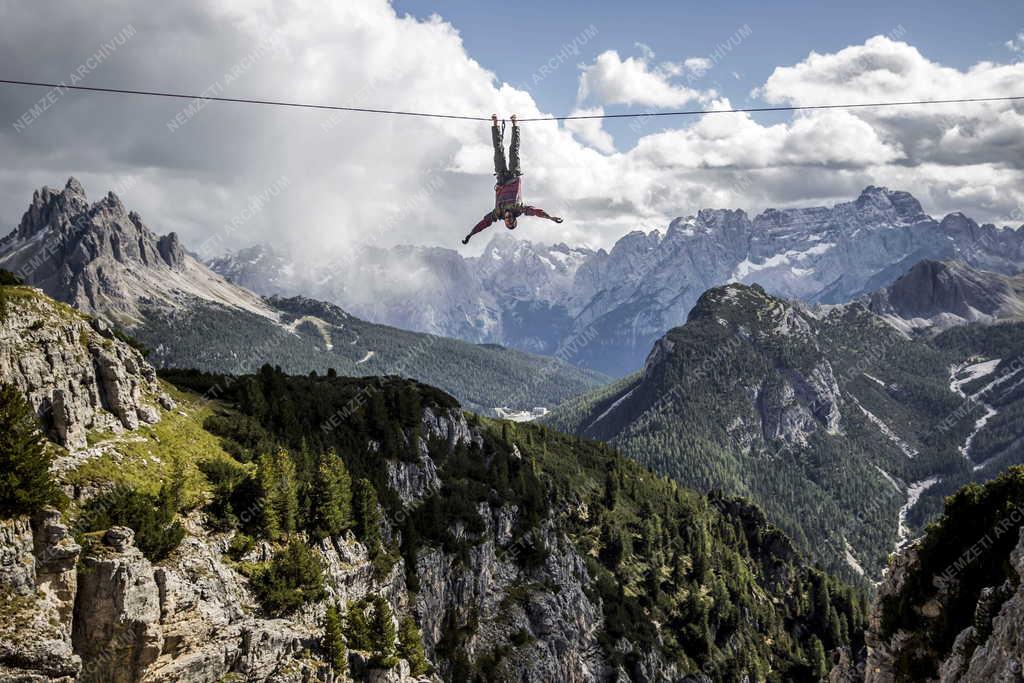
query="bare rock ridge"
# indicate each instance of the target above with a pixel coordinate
(103, 259)
(76, 374)
(939, 294)
(977, 657)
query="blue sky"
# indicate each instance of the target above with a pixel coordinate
(957, 34)
(367, 178)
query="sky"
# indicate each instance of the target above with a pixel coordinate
(225, 176)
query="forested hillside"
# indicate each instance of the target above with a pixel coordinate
(832, 420)
(281, 528)
(684, 575)
(312, 336)
(953, 606)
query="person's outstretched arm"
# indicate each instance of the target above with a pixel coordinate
(484, 223)
(540, 213)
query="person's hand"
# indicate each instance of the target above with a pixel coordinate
(556, 219)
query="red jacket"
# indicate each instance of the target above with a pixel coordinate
(508, 196)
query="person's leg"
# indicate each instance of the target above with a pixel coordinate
(513, 152)
(500, 167)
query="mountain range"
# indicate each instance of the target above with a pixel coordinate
(543, 299)
(413, 542)
(785, 459)
(843, 427)
(102, 259)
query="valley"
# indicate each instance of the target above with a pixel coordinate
(385, 341)
(782, 463)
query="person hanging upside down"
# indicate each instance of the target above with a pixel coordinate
(508, 192)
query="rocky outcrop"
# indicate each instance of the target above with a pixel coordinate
(1000, 656)
(996, 655)
(189, 619)
(494, 594)
(170, 250)
(37, 589)
(940, 294)
(793, 405)
(76, 374)
(496, 598)
(117, 611)
(880, 666)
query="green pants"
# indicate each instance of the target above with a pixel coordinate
(503, 171)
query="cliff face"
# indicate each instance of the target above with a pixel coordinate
(531, 556)
(484, 594)
(951, 608)
(38, 585)
(106, 613)
(76, 374)
(991, 649)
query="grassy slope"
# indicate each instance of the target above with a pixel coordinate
(155, 454)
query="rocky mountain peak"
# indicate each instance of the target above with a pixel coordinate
(49, 207)
(103, 259)
(727, 300)
(942, 293)
(74, 186)
(885, 204)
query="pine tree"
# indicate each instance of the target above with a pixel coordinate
(331, 499)
(292, 578)
(410, 647)
(287, 492)
(384, 634)
(367, 517)
(270, 524)
(279, 494)
(357, 629)
(25, 481)
(816, 654)
(611, 489)
(334, 640)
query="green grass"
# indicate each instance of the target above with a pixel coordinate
(40, 303)
(153, 454)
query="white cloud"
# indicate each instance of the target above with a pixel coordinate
(612, 80)
(883, 69)
(591, 131)
(1016, 44)
(698, 66)
(645, 50)
(386, 180)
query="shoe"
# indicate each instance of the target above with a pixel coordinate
(465, 240)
